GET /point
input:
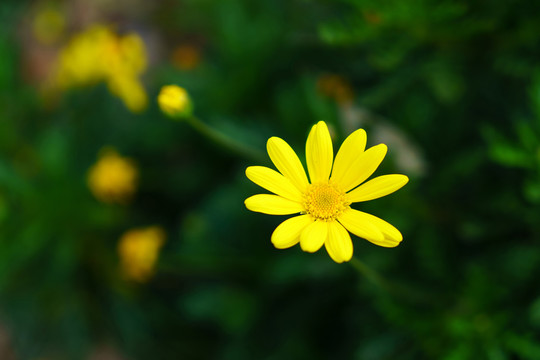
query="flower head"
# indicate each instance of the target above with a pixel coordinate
(174, 101)
(112, 178)
(322, 203)
(139, 250)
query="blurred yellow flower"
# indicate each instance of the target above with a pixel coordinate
(335, 87)
(48, 25)
(112, 178)
(131, 54)
(99, 55)
(186, 57)
(80, 62)
(174, 101)
(324, 203)
(131, 91)
(139, 250)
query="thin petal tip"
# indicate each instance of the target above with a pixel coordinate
(249, 170)
(339, 259)
(402, 180)
(306, 248)
(278, 245)
(247, 202)
(273, 140)
(392, 242)
(406, 180)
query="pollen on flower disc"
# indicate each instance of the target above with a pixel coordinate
(324, 201)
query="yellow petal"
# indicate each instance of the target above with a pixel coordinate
(273, 205)
(392, 236)
(338, 244)
(287, 234)
(363, 167)
(314, 236)
(319, 153)
(353, 146)
(378, 187)
(273, 181)
(287, 162)
(361, 225)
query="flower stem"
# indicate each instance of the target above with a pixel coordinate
(399, 290)
(224, 140)
(370, 274)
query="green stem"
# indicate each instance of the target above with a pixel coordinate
(399, 290)
(225, 140)
(370, 274)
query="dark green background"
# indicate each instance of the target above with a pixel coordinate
(459, 79)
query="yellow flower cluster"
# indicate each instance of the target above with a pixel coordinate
(113, 178)
(139, 250)
(98, 54)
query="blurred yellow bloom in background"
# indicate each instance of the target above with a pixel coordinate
(48, 25)
(324, 202)
(174, 101)
(131, 91)
(113, 178)
(129, 54)
(99, 55)
(80, 62)
(139, 250)
(335, 87)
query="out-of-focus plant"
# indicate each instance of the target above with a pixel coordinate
(335, 87)
(100, 55)
(48, 25)
(186, 57)
(524, 153)
(113, 178)
(139, 251)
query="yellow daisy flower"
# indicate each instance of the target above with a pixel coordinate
(325, 216)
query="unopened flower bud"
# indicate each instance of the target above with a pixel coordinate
(174, 101)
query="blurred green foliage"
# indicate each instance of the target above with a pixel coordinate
(457, 81)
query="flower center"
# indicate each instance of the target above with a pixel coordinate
(324, 201)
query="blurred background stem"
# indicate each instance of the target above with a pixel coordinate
(370, 274)
(225, 141)
(402, 291)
